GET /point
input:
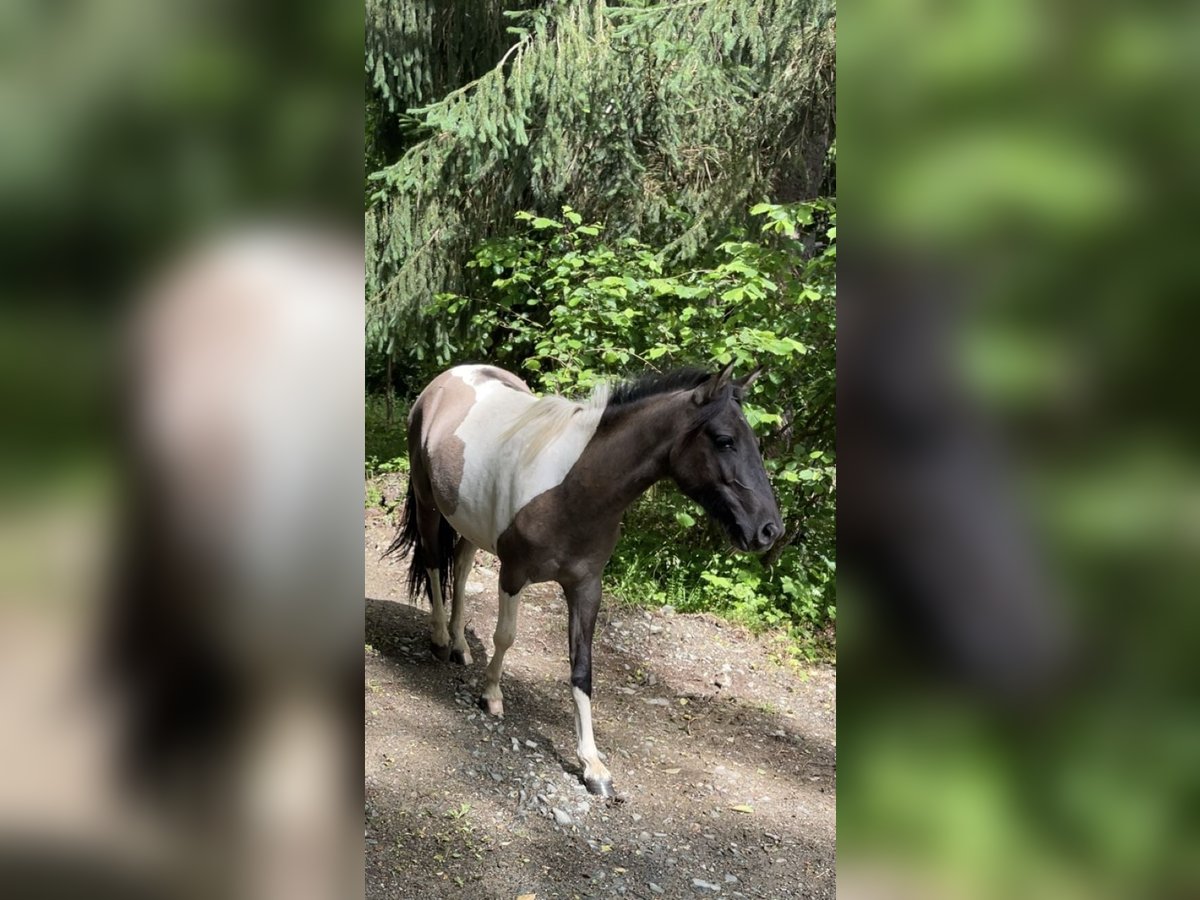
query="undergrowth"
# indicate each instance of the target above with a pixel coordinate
(565, 304)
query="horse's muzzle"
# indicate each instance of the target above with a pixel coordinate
(766, 536)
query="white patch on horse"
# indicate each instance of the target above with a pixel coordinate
(549, 417)
(515, 447)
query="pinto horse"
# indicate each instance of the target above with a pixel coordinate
(543, 482)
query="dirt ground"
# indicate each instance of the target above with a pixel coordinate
(723, 758)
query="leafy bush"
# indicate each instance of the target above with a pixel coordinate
(567, 308)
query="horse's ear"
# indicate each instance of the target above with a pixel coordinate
(742, 384)
(747, 381)
(709, 389)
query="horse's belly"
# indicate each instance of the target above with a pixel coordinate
(474, 528)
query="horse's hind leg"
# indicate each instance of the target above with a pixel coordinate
(429, 521)
(439, 635)
(464, 558)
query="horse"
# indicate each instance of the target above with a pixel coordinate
(542, 483)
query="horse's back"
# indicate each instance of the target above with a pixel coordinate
(446, 400)
(450, 397)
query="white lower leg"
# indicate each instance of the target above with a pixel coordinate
(593, 769)
(506, 631)
(437, 631)
(457, 634)
(462, 571)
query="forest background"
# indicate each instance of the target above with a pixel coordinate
(577, 192)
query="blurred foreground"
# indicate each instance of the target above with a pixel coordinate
(181, 642)
(180, 467)
(1018, 451)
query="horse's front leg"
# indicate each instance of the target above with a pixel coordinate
(583, 602)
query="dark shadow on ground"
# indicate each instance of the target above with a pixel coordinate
(561, 862)
(400, 632)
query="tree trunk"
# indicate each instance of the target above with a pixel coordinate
(387, 392)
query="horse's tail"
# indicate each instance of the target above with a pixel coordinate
(423, 558)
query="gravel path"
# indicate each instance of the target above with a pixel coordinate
(725, 759)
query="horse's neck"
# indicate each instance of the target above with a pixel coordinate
(628, 453)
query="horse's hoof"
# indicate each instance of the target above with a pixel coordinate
(461, 657)
(601, 787)
(494, 708)
(442, 653)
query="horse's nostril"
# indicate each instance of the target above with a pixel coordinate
(769, 532)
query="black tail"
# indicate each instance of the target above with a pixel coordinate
(408, 540)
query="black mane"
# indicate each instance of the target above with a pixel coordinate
(656, 383)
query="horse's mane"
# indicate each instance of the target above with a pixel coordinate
(657, 383)
(550, 416)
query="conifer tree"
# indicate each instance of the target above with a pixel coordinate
(663, 119)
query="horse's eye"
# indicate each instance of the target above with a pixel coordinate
(723, 442)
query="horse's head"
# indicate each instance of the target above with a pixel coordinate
(717, 463)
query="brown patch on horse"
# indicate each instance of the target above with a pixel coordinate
(580, 544)
(432, 422)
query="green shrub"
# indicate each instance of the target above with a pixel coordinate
(567, 308)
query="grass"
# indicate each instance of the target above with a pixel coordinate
(384, 440)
